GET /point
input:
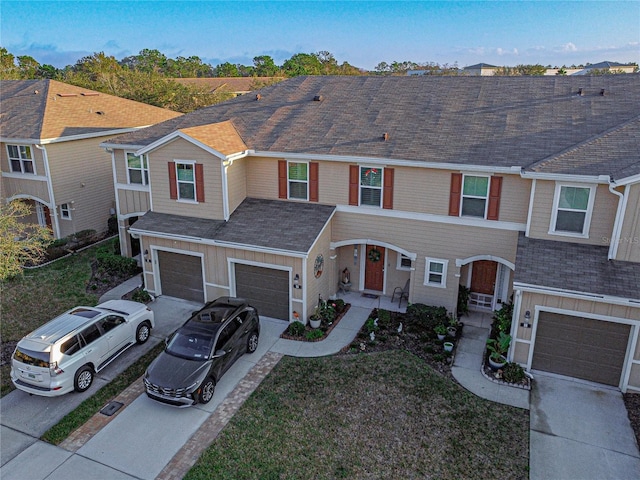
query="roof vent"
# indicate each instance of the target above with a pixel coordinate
(90, 94)
(36, 91)
(602, 92)
(318, 98)
(67, 94)
(258, 97)
(100, 112)
(581, 92)
(385, 136)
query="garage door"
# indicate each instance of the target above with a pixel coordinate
(266, 289)
(181, 276)
(579, 347)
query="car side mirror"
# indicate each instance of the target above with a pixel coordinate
(219, 353)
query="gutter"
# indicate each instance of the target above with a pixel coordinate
(614, 241)
(53, 210)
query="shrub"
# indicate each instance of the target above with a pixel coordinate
(426, 317)
(112, 225)
(513, 373)
(370, 325)
(141, 295)
(84, 234)
(115, 264)
(463, 300)
(384, 318)
(339, 305)
(295, 329)
(314, 334)
(60, 242)
(502, 318)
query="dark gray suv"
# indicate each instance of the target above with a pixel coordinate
(199, 352)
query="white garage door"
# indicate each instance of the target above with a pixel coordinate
(579, 347)
(267, 289)
(181, 276)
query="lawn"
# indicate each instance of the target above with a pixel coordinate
(385, 415)
(40, 294)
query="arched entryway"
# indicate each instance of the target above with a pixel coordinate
(488, 279)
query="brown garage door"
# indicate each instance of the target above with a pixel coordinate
(579, 347)
(181, 276)
(266, 289)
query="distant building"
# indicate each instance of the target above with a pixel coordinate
(481, 69)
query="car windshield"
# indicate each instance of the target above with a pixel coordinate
(191, 344)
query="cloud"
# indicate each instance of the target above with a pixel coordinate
(568, 47)
(502, 52)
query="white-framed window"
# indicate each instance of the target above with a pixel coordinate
(65, 211)
(572, 208)
(21, 159)
(435, 274)
(475, 195)
(137, 169)
(371, 186)
(298, 180)
(404, 262)
(186, 178)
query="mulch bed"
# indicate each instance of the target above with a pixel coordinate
(632, 402)
(326, 329)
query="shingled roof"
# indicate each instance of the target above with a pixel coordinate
(273, 224)
(544, 263)
(490, 121)
(47, 109)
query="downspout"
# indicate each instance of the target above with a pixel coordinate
(617, 224)
(52, 200)
(225, 189)
(115, 188)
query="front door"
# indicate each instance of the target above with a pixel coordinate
(374, 268)
(483, 276)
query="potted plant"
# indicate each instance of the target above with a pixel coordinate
(498, 348)
(315, 320)
(441, 331)
(452, 329)
(448, 346)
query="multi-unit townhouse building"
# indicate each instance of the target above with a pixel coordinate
(50, 156)
(523, 189)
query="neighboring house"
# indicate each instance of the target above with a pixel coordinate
(50, 156)
(602, 67)
(235, 85)
(480, 69)
(523, 188)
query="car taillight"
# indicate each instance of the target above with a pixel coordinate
(54, 369)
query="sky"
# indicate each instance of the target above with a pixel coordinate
(362, 33)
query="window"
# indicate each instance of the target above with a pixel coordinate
(90, 334)
(298, 180)
(436, 272)
(65, 211)
(572, 212)
(186, 181)
(111, 322)
(137, 169)
(370, 186)
(475, 191)
(20, 159)
(404, 262)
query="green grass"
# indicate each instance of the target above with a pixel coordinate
(92, 405)
(383, 415)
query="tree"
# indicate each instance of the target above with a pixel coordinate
(531, 69)
(227, 70)
(8, 68)
(28, 67)
(20, 242)
(302, 64)
(265, 66)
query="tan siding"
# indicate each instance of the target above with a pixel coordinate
(629, 246)
(421, 190)
(35, 152)
(325, 285)
(604, 209)
(237, 183)
(427, 239)
(19, 186)
(514, 201)
(121, 165)
(81, 173)
(133, 201)
(530, 300)
(333, 183)
(159, 178)
(262, 177)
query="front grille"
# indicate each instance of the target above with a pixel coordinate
(166, 392)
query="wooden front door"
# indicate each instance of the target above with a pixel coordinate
(374, 270)
(483, 276)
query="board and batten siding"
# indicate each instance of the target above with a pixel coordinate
(428, 239)
(133, 201)
(629, 243)
(602, 218)
(179, 149)
(81, 173)
(25, 185)
(529, 301)
(237, 183)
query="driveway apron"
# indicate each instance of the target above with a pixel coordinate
(580, 431)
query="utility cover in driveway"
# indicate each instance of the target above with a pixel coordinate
(267, 289)
(181, 276)
(579, 347)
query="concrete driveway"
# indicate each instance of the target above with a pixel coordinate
(580, 431)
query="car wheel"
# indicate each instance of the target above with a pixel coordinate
(142, 333)
(83, 379)
(206, 390)
(252, 342)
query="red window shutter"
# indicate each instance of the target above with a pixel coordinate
(495, 189)
(173, 185)
(455, 194)
(354, 184)
(282, 179)
(313, 181)
(199, 182)
(387, 192)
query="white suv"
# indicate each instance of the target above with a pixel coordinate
(65, 353)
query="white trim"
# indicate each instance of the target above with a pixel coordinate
(52, 201)
(134, 187)
(628, 180)
(380, 188)
(594, 297)
(464, 261)
(47, 141)
(25, 176)
(532, 196)
(485, 198)
(21, 160)
(306, 182)
(399, 258)
(565, 177)
(588, 213)
(427, 271)
(178, 181)
(429, 217)
(225, 190)
(621, 211)
(144, 159)
(368, 241)
(154, 249)
(176, 135)
(65, 211)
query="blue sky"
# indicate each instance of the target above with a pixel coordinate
(363, 33)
